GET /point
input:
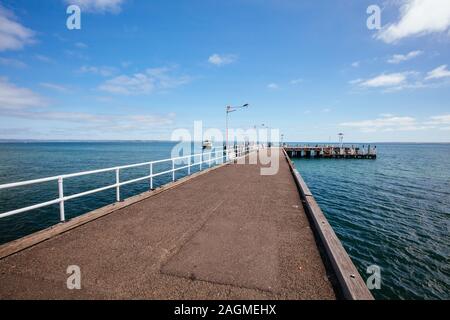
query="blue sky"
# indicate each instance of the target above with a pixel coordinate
(140, 69)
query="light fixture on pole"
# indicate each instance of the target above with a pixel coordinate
(230, 109)
(341, 139)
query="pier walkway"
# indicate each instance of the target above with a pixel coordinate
(229, 233)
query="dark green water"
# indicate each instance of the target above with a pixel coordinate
(393, 212)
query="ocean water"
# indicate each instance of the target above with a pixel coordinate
(393, 212)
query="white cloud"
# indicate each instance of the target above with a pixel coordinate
(439, 120)
(43, 58)
(76, 54)
(13, 35)
(92, 118)
(91, 125)
(149, 81)
(392, 82)
(53, 86)
(390, 122)
(14, 98)
(356, 81)
(438, 73)
(102, 70)
(273, 86)
(296, 81)
(98, 6)
(152, 119)
(12, 63)
(22, 103)
(381, 122)
(397, 58)
(356, 64)
(384, 80)
(417, 18)
(386, 123)
(220, 60)
(81, 45)
(126, 64)
(105, 99)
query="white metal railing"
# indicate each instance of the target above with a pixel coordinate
(225, 156)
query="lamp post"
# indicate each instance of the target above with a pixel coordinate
(256, 130)
(341, 139)
(269, 136)
(229, 110)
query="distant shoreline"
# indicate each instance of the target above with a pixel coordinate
(118, 141)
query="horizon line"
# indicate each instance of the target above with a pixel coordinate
(3, 140)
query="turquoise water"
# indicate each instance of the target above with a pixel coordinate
(393, 212)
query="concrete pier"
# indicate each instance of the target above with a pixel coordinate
(227, 233)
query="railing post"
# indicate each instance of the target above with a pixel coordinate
(209, 159)
(189, 166)
(151, 175)
(173, 170)
(62, 215)
(118, 185)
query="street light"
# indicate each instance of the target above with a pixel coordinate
(229, 110)
(341, 139)
(269, 136)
